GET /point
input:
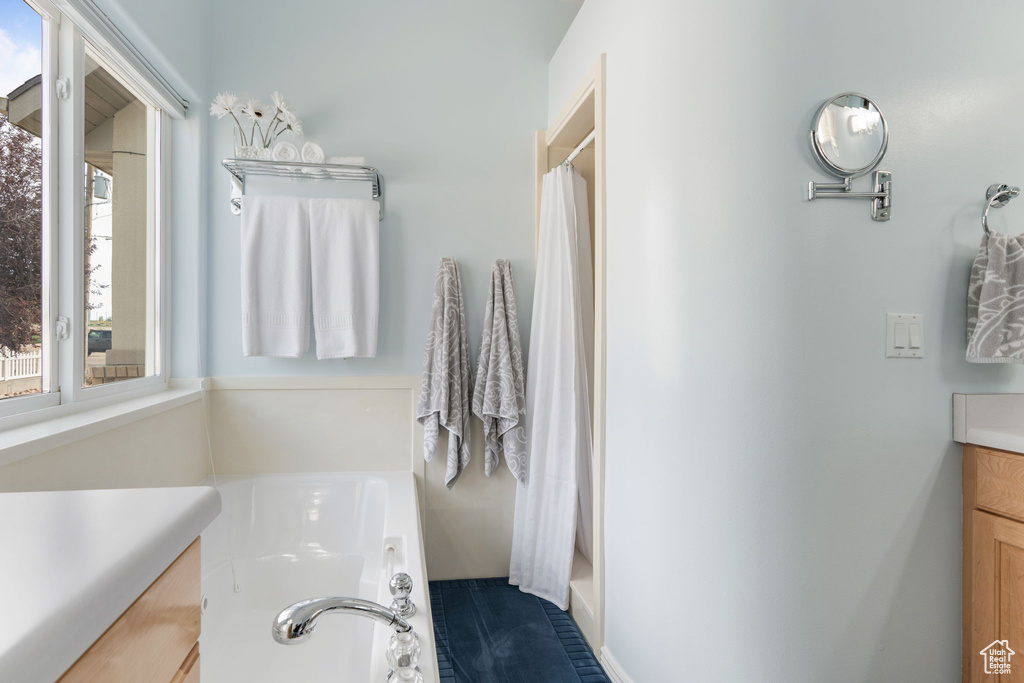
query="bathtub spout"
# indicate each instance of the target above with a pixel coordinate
(296, 622)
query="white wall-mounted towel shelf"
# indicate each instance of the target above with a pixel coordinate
(240, 168)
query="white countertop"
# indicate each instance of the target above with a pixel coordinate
(1002, 438)
(72, 561)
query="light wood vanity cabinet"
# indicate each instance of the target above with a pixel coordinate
(993, 557)
(156, 639)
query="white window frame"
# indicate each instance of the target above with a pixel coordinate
(72, 350)
(67, 26)
(119, 52)
(50, 396)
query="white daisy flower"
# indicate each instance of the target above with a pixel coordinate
(279, 102)
(264, 124)
(291, 122)
(225, 103)
(254, 111)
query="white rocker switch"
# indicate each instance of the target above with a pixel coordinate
(916, 340)
(900, 335)
(904, 335)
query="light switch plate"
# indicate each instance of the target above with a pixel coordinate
(907, 340)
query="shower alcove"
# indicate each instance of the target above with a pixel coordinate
(582, 114)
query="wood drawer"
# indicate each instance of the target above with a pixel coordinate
(999, 482)
(154, 639)
(189, 671)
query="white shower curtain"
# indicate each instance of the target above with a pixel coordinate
(554, 508)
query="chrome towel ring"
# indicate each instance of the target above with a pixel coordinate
(998, 196)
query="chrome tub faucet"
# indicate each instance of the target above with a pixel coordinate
(295, 623)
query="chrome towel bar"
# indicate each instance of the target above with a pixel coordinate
(240, 168)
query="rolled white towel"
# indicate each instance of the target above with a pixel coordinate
(312, 153)
(285, 151)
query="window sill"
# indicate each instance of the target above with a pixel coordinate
(25, 441)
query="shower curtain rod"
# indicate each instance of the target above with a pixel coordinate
(582, 146)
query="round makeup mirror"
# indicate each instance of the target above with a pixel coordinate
(849, 135)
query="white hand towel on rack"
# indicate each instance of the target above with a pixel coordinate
(275, 276)
(446, 386)
(499, 397)
(343, 238)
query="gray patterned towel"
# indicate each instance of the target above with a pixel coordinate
(995, 301)
(446, 388)
(499, 399)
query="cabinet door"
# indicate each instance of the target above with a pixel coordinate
(149, 642)
(998, 596)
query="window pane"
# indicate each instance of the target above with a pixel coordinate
(21, 201)
(119, 134)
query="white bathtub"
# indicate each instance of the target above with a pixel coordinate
(282, 538)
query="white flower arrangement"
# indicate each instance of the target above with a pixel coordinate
(266, 127)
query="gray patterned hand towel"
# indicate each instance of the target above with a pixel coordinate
(446, 388)
(499, 399)
(995, 301)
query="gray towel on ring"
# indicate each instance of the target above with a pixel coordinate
(995, 301)
(446, 387)
(499, 398)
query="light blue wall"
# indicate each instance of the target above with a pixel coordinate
(443, 98)
(799, 492)
(175, 38)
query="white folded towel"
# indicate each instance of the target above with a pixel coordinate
(347, 161)
(343, 238)
(275, 276)
(499, 397)
(446, 387)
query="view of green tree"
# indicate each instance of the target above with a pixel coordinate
(21, 215)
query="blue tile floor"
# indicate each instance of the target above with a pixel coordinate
(490, 632)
